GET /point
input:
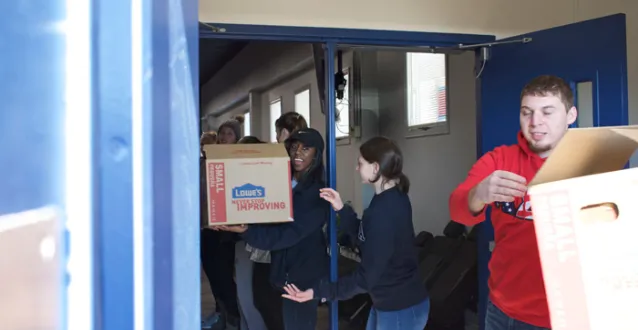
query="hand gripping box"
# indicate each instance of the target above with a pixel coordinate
(248, 183)
(585, 208)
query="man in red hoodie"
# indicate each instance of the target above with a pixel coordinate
(499, 179)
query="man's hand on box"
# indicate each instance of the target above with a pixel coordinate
(235, 228)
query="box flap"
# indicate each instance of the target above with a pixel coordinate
(234, 151)
(586, 151)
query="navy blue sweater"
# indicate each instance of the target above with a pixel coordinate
(298, 249)
(389, 265)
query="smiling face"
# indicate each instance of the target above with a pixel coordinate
(226, 135)
(544, 120)
(301, 156)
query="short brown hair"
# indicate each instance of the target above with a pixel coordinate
(550, 85)
(249, 139)
(291, 121)
(208, 137)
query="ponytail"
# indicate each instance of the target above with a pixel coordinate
(403, 183)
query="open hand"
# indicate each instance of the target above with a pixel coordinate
(333, 197)
(293, 293)
(233, 228)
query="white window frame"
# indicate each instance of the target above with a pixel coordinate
(309, 114)
(273, 119)
(429, 129)
(247, 124)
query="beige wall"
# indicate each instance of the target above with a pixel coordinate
(499, 17)
(435, 164)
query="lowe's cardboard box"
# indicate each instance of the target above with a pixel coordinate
(585, 208)
(248, 183)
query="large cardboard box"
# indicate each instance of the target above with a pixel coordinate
(585, 208)
(248, 183)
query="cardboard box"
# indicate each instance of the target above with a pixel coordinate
(585, 208)
(248, 183)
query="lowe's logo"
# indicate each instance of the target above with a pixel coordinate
(248, 191)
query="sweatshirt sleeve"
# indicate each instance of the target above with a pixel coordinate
(459, 203)
(348, 221)
(374, 262)
(282, 236)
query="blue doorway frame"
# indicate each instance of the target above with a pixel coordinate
(331, 38)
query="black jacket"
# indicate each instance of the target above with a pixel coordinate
(298, 249)
(389, 265)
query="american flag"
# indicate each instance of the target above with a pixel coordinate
(507, 207)
(520, 208)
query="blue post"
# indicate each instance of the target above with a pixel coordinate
(113, 234)
(147, 181)
(165, 164)
(331, 174)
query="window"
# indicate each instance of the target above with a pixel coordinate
(275, 113)
(585, 104)
(427, 89)
(247, 123)
(302, 104)
(342, 126)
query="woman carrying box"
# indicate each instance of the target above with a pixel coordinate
(266, 298)
(298, 249)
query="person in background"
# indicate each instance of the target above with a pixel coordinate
(499, 179)
(251, 318)
(229, 132)
(289, 123)
(217, 251)
(208, 137)
(298, 249)
(389, 267)
(249, 139)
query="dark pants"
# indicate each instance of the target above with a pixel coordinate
(266, 298)
(218, 261)
(300, 316)
(495, 319)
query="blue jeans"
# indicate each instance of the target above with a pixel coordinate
(411, 318)
(495, 319)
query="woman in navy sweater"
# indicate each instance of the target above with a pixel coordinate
(298, 249)
(388, 269)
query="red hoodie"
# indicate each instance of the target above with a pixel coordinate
(516, 282)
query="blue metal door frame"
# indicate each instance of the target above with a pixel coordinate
(331, 37)
(144, 74)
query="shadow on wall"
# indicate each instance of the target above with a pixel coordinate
(435, 164)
